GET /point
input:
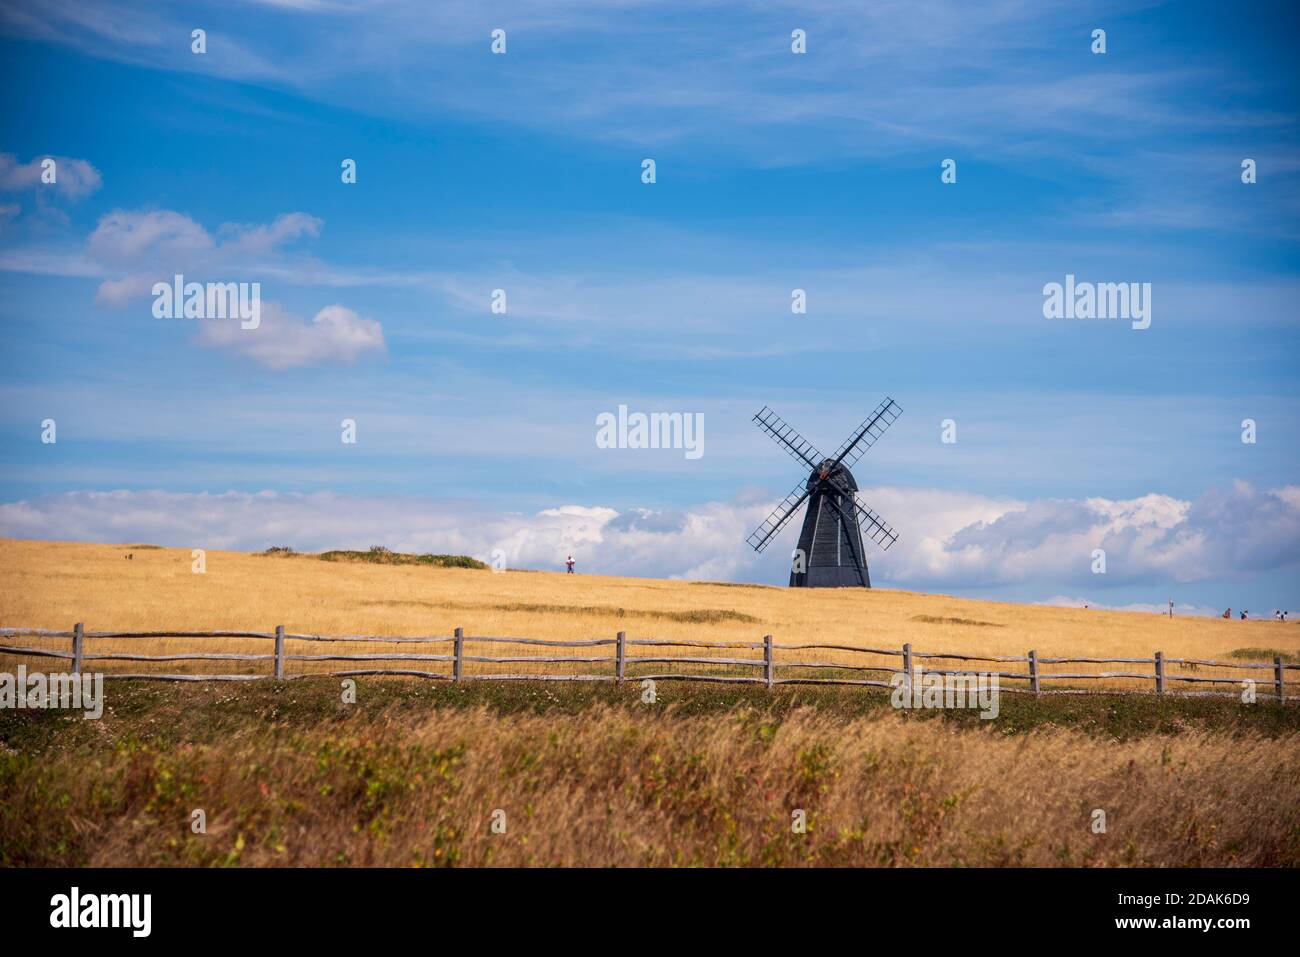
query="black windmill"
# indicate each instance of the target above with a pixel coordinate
(830, 552)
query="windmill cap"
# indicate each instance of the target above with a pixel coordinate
(839, 471)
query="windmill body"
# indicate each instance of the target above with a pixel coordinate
(830, 553)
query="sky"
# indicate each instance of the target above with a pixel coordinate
(775, 171)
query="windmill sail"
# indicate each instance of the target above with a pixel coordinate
(874, 527)
(776, 521)
(865, 435)
(799, 448)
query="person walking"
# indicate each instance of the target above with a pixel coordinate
(569, 563)
(1228, 613)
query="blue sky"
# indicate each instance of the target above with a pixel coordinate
(775, 171)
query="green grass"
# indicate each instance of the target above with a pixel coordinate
(165, 714)
(733, 585)
(937, 620)
(694, 616)
(385, 557)
(1264, 654)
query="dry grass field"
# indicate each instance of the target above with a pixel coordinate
(411, 773)
(138, 587)
(287, 775)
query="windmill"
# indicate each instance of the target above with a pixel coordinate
(830, 553)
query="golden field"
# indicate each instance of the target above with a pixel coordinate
(412, 771)
(134, 588)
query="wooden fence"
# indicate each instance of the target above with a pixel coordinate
(771, 672)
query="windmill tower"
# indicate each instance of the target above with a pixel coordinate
(830, 552)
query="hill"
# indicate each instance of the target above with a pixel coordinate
(54, 584)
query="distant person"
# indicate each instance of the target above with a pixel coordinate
(1171, 608)
(1245, 615)
(1228, 613)
(569, 564)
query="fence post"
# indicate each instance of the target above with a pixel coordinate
(1033, 672)
(279, 652)
(1160, 672)
(1277, 679)
(907, 666)
(458, 662)
(769, 666)
(620, 656)
(79, 645)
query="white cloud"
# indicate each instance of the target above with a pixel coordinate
(1240, 529)
(118, 292)
(131, 235)
(158, 243)
(950, 540)
(74, 178)
(266, 237)
(283, 341)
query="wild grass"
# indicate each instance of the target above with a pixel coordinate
(698, 616)
(412, 774)
(378, 555)
(1263, 654)
(937, 620)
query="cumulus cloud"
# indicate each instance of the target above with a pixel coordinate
(118, 292)
(74, 178)
(962, 542)
(283, 341)
(154, 244)
(703, 545)
(1226, 531)
(145, 247)
(131, 235)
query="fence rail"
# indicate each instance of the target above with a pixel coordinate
(1034, 676)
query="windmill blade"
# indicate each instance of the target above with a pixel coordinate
(865, 435)
(776, 521)
(874, 527)
(799, 448)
